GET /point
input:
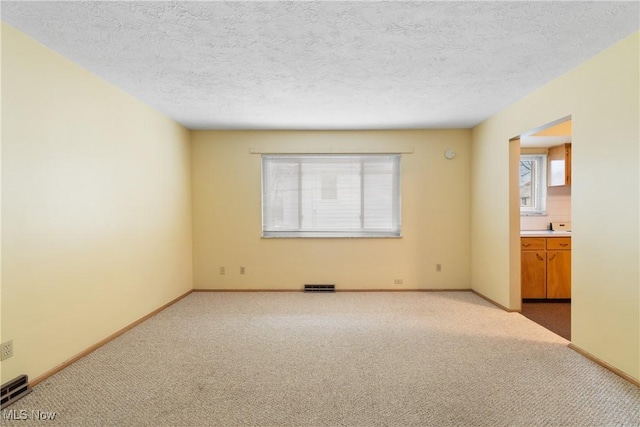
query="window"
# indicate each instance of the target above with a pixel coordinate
(533, 184)
(335, 195)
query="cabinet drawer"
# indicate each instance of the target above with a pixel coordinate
(559, 243)
(532, 243)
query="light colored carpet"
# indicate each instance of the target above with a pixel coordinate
(417, 358)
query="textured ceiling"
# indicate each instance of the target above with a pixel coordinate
(326, 65)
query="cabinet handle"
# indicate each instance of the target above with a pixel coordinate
(564, 244)
(552, 257)
(526, 245)
(539, 258)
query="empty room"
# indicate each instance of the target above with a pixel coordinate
(320, 213)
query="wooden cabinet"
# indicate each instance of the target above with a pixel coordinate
(559, 267)
(533, 243)
(534, 274)
(545, 267)
(558, 274)
(559, 166)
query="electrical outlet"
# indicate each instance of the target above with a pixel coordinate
(222, 273)
(398, 281)
(438, 267)
(241, 270)
(6, 350)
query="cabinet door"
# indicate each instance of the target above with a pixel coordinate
(559, 166)
(558, 243)
(567, 167)
(532, 243)
(533, 274)
(559, 274)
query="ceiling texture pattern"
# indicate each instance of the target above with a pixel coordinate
(326, 65)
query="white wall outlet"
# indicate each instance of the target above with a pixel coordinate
(242, 270)
(222, 272)
(438, 267)
(398, 281)
(6, 350)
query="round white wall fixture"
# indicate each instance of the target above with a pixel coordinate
(449, 154)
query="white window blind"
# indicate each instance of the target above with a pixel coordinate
(533, 184)
(332, 195)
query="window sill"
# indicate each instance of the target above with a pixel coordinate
(533, 214)
(309, 236)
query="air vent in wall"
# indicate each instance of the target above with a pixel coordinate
(15, 389)
(319, 288)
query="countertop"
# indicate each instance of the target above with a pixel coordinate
(544, 233)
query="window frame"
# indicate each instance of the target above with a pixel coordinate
(395, 231)
(539, 186)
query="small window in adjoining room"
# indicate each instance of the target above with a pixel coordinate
(331, 195)
(533, 185)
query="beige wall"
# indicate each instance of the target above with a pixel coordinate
(96, 210)
(602, 96)
(227, 215)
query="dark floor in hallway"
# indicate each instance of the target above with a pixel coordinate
(555, 316)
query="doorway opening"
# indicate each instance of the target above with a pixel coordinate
(544, 175)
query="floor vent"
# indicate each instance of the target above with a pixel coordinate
(15, 389)
(319, 288)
